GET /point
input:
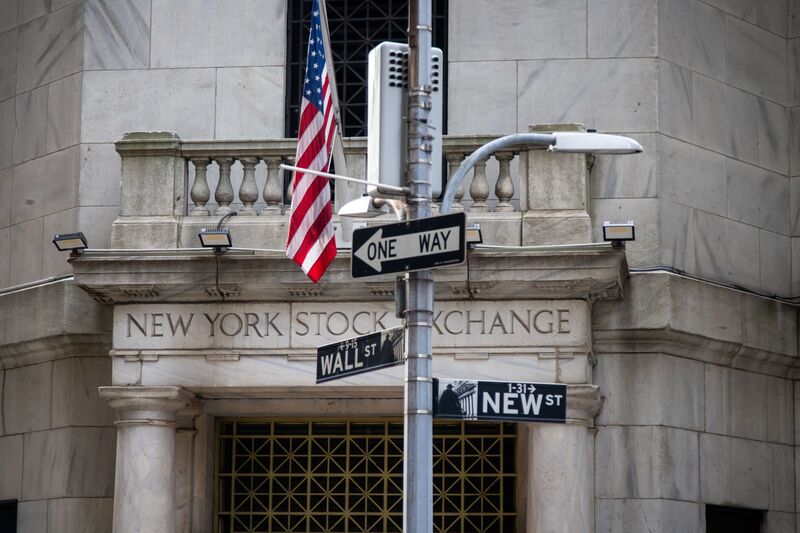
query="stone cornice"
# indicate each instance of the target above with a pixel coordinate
(583, 403)
(54, 348)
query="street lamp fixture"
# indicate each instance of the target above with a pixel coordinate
(72, 242)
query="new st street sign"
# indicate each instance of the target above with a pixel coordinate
(411, 245)
(360, 354)
(515, 401)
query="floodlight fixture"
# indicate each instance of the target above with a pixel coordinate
(218, 239)
(473, 236)
(72, 242)
(617, 234)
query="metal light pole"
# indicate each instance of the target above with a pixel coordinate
(417, 413)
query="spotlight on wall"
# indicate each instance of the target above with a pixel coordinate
(218, 239)
(74, 242)
(617, 234)
(473, 235)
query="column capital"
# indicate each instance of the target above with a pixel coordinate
(583, 404)
(147, 404)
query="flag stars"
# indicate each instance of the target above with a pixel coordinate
(316, 65)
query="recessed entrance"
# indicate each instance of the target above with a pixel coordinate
(347, 476)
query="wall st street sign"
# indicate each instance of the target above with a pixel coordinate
(514, 401)
(411, 245)
(360, 354)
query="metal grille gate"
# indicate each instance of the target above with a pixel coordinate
(347, 476)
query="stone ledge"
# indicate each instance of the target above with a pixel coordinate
(54, 348)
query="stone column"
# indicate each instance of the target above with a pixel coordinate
(144, 489)
(561, 467)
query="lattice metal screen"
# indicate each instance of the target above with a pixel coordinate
(347, 476)
(356, 26)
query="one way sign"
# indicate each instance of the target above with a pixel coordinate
(411, 245)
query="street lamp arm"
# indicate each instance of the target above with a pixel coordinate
(516, 139)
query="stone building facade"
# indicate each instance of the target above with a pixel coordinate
(679, 352)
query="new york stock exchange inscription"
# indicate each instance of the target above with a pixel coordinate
(271, 326)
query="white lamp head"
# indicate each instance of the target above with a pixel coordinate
(362, 207)
(594, 143)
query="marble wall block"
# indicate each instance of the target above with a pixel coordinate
(769, 325)
(179, 100)
(8, 112)
(32, 516)
(675, 115)
(28, 10)
(26, 398)
(5, 197)
(69, 462)
(782, 487)
(646, 249)
(5, 260)
(11, 467)
(727, 250)
(64, 113)
(218, 33)
(758, 197)
(745, 9)
(794, 201)
(117, 34)
(656, 516)
(677, 236)
(735, 402)
(607, 94)
(735, 471)
(58, 4)
(644, 306)
(777, 522)
(725, 119)
(692, 34)
(691, 176)
(646, 462)
(30, 133)
(795, 265)
(50, 48)
(622, 28)
(80, 515)
(756, 60)
(75, 398)
(627, 177)
(100, 174)
(482, 30)
(773, 136)
(669, 390)
(776, 254)
(46, 185)
(794, 141)
(250, 103)
(706, 310)
(9, 19)
(793, 19)
(26, 260)
(8, 63)
(772, 15)
(473, 106)
(794, 70)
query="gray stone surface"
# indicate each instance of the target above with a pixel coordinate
(758, 197)
(745, 9)
(27, 398)
(5, 260)
(8, 63)
(180, 100)
(645, 250)
(777, 522)
(677, 236)
(773, 136)
(794, 19)
(100, 175)
(26, 260)
(80, 515)
(627, 177)
(32, 516)
(794, 141)
(30, 134)
(669, 390)
(675, 100)
(656, 516)
(28, 10)
(250, 103)
(736, 402)
(726, 250)
(8, 112)
(725, 462)
(69, 462)
(217, 33)
(45, 185)
(794, 71)
(9, 9)
(769, 325)
(11, 466)
(692, 34)
(724, 119)
(607, 94)
(50, 48)
(64, 113)
(622, 28)
(755, 60)
(692, 176)
(75, 398)
(646, 462)
(794, 201)
(536, 30)
(5, 197)
(775, 254)
(772, 15)
(795, 265)
(117, 34)
(470, 108)
(782, 487)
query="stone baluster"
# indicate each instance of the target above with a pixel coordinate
(273, 187)
(224, 193)
(200, 192)
(248, 192)
(504, 188)
(479, 188)
(453, 162)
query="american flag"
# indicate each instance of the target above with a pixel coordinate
(311, 242)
